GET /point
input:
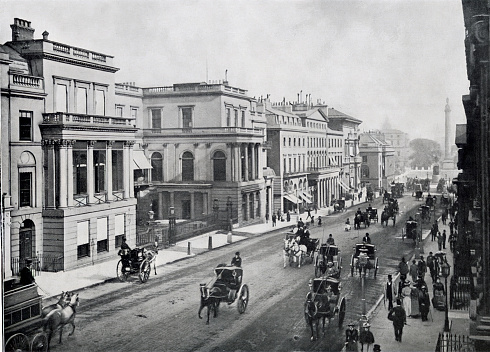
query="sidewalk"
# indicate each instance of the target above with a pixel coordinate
(418, 335)
(52, 284)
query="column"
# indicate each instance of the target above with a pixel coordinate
(131, 174)
(252, 161)
(246, 162)
(50, 173)
(205, 202)
(69, 174)
(160, 205)
(63, 174)
(127, 169)
(238, 162)
(108, 170)
(172, 198)
(245, 215)
(192, 206)
(90, 171)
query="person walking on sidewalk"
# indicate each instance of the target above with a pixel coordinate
(435, 227)
(274, 219)
(444, 237)
(431, 265)
(399, 319)
(366, 337)
(309, 214)
(403, 267)
(422, 268)
(452, 242)
(288, 216)
(351, 337)
(444, 217)
(440, 239)
(319, 221)
(389, 292)
(424, 302)
(414, 268)
(406, 298)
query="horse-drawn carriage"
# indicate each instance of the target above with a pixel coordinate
(135, 261)
(362, 217)
(328, 261)
(339, 205)
(23, 320)
(397, 190)
(445, 200)
(410, 230)
(323, 301)
(373, 214)
(386, 196)
(364, 257)
(299, 249)
(425, 213)
(389, 212)
(226, 286)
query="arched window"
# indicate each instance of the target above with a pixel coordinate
(157, 167)
(219, 166)
(187, 166)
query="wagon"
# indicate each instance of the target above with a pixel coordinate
(328, 253)
(397, 190)
(325, 295)
(425, 213)
(373, 214)
(364, 256)
(339, 205)
(135, 261)
(227, 286)
(410, 230)
(23, 319)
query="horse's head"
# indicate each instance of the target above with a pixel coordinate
(204, 291)
(74, 301)
(311, 308)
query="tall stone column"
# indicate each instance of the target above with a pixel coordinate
(192, 206)
(90, 172)
(246, 162)
(50, 188)
(447, 135)
(131, 173)
(127, 169)
(69, 176)
(108, 171)
(252, 162)
(238, 162)
(63, 181)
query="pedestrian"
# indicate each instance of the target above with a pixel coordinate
(414, 268)
(403, 267)
(406, 298)
(309, 214)
(444, 237)
(366, 238)
(274, 219)
(279, 214)
(351, 338)
(288, 216)
(424, 302)
(319, 221)
(433, 233)
(452, 242)
(389, 292)
(155, 251)
(399, 319)
(431, 265)
(444, 217)
(312, 219)
(440, 240)
(451, 227)
(266, 218)
(300, 223)
(366, 337)
(236, 260)
(401, 283)
(422, 268)
(26, 277)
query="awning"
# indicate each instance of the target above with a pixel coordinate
(332, 161)
(343, 185)
(305, 198)
(140, 161)
(293, 198)
(309, 196)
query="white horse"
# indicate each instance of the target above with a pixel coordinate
(294, 251)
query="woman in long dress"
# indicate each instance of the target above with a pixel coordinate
(407, 299)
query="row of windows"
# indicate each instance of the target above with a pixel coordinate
(335, 143)
(185, 117)
(288, 120)
(120, 111)
(236, 122)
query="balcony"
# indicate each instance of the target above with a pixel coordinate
(206, 131)
(62, 118)
(27, 83)
(177, 89)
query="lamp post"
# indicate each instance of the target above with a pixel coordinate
(171, 226)
(362, 261)
(418, 236)
(229, 205)
(445, 271)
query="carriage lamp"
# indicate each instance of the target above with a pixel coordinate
(445, 272)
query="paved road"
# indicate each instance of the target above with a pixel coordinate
(161, 315)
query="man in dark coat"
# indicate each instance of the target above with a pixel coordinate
(366, 337)
(399, 320)
(26, 277)
(424, 302)
(351, 337)
(236, 261)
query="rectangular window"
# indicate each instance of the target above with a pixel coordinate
(228, 117)
(117, 170)
(364, 158)
(119, 111)
(102, 235)
(25, 189)
(83, 249)
(79, 172)
(61, 98)
(243, 118)
(236, 118)
(99, 102)
(81, 100)
(156, 118)
(134, 113)
(25, 126)
(99, 171)
(119, 221)
(186, 117)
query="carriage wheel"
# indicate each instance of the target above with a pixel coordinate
(17, 343)
(145, 269)
(243, 299)
(352, 266)
(375, 267)
(394, 220)
(121, 274)
(340, 266)
(39, 343)
(341, 312)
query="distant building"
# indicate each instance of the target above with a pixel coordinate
(401, 144)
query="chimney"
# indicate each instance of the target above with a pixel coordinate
(21, 30)
(45, 35)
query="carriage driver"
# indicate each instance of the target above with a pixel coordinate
(332, 271)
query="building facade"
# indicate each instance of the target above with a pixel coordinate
(399, 141)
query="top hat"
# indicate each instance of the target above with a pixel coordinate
(376, 348)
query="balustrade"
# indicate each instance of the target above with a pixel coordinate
(26, 81)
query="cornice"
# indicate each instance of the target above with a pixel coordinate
(68, 60)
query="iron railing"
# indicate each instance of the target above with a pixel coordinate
(460, 293)
(41, 262)
(447, 342)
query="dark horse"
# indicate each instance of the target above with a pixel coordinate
(58, 318)
(314, 311)
(386, 215)
(361, 218)
(210, 299)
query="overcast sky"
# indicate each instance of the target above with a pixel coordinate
(382, 61)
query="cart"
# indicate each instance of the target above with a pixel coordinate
(227, 286)
(137, 261)
(325, 254)
(364, 256)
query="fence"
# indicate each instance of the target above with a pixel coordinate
(454, 343)
(41, 262)
(460, 293)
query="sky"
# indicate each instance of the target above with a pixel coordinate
(389, 63)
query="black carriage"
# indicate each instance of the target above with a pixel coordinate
(339, 205)
(429, 201)
(397, 190)
(325, 295)
(23, 319)
(364, 256)
(227, 286)
(410, 230)
(362, 217)
(373, 214)
(389, 212)
(445, 200)
(328, 253)
(386, 196)
(135, 261)
(425, 213)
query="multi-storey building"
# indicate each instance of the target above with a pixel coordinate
(400, 142)
(67, 179)
(206, 144)
(378, 167)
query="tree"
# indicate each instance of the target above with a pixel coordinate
(425, 152)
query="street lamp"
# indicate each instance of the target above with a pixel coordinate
(445, 271)
(362, 262)
(171, 226)
(229, 205)
(418, 236)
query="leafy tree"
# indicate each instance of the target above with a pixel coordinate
(425, 152)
